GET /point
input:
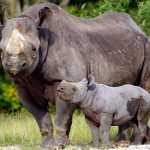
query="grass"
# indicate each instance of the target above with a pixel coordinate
(21, 129)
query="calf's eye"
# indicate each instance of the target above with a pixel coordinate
(74, 89)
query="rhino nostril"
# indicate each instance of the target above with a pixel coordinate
(61, 88)
(8, 65)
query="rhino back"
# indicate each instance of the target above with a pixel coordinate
(111, 46)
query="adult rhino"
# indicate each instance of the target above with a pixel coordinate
(46, 45)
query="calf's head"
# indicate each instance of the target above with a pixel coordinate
(20, 44)
(75, 92)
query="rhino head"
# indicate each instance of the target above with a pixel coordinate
(75, 92)
(20, 44)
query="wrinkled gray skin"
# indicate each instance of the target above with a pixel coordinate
(105, 106)
(47, 45)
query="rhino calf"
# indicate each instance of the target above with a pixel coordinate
(105, 106)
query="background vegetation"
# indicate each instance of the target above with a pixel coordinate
(138, 9)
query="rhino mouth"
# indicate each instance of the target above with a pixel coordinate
(59, 91)
(62, 95)
(17, 74)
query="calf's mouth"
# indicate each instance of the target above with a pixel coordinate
(63, 95)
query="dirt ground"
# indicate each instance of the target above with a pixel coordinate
(131, 147)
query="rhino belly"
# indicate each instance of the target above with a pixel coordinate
(119, 120)
(93, 117)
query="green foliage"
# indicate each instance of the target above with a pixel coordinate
(8, 100)
(90, 9)
(140, 11)
(143, 16)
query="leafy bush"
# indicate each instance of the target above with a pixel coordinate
(139, 10)
(143, 16)
(8, 99)
(90, 9)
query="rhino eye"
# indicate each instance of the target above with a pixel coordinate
(33, 49)
(1, 49)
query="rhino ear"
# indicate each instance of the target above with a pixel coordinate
(3, 19)
(43, 14)
(3, 15)
(91, 83)
(1, 28)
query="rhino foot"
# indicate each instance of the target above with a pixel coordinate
(48, 143)
(94, 144)
(57, 142)
(61, 140)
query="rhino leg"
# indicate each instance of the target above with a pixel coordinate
(105, 121)
(142, 117)
(95, 133)
(64, 112)
(123, 132)
(136, 139)
(140, 133)
(145, 77)
(41, 115)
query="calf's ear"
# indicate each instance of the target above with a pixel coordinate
(43, 14)
(91, 83)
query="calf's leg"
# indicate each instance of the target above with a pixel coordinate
(143, 129)
(141, 134)
(105, 121)
(95, 133)
(122, 133)
(142, 117)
